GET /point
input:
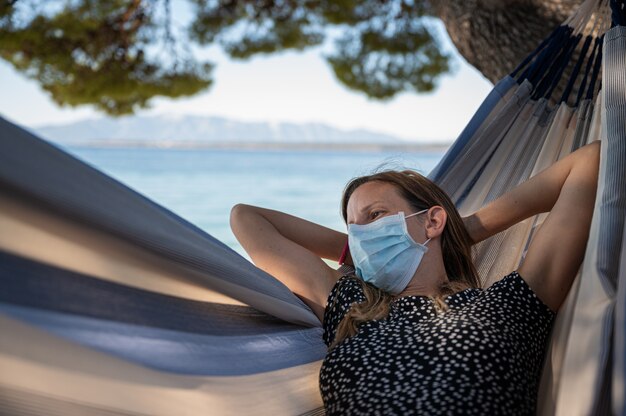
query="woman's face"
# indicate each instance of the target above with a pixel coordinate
(375, 200)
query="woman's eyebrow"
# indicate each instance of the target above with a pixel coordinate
(365, 209)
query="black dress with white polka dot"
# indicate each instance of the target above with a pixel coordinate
(481, 357)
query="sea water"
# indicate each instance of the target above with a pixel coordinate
(203, 185)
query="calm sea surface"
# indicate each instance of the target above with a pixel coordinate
(203, 185)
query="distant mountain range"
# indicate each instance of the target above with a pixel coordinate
(198, 131)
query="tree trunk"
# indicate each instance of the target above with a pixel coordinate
(495, 35)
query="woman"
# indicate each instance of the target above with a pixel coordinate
(413, 332)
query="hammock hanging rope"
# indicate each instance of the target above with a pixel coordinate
(111, 304)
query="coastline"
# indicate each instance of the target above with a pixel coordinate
(177, 144)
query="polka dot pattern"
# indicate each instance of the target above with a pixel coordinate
(481, 357)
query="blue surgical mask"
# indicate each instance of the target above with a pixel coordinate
(383, 252)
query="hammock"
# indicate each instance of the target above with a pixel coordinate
(112, 305)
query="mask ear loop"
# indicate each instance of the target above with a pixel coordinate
(417, 213)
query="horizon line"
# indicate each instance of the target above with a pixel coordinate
(258, 145)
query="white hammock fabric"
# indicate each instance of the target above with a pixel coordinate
(110, 304)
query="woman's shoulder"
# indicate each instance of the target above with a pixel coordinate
(512, 292)
(346, 291)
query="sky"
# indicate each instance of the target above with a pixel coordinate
(287, 87)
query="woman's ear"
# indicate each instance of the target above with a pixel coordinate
(435, 221)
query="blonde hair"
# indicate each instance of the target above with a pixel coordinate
(421, 193)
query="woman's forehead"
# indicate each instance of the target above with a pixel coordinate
(372, 192)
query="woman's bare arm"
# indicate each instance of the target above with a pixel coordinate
(567, 190)
(290, 249)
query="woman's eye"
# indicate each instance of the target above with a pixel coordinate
(375, 214)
